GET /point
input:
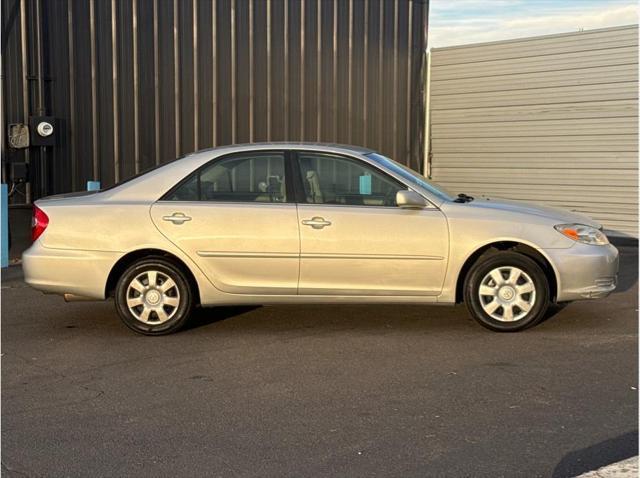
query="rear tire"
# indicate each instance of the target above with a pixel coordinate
(154, 297)
(506, 292)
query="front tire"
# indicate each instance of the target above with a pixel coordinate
(506, 292)
(153, 297)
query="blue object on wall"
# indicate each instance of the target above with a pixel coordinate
(4, 225)
(365, 184)
(93, 185)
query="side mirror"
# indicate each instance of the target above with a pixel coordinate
(410, 200)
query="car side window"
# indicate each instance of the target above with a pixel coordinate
(330, 179)
(247, 178)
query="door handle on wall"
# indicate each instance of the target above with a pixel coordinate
(316, 222)
(177, 218)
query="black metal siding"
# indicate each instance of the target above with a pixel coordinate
(138, 82)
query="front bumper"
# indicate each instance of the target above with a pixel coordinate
(584, 271)
(66, 271)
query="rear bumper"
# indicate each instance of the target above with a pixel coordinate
(66, 271)
(585, 271)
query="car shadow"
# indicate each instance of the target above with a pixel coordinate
(596, 456)
(628, 272)
(201, 317)
(553, 310)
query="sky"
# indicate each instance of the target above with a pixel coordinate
(458, 22)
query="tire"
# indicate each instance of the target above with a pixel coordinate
(154, 297)
(506, 292)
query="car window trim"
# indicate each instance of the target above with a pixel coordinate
(388, 208)
(233, 203)
(289, 172)
(199, 169)
(300, 194)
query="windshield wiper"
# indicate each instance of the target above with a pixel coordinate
(462, 197)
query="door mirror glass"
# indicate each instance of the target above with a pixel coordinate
(410, 200)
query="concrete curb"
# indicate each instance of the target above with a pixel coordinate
(623, 469)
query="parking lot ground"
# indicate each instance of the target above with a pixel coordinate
(317, 390)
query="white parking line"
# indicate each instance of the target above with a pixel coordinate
(623, 469)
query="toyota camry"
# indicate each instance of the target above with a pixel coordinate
(302, 223)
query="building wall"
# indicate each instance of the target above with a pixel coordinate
(135, 83)
(550, 119)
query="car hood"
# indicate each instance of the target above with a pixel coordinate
(562, 216)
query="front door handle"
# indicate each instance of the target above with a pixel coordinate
(177, 218)
(316, 222)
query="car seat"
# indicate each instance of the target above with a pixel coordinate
(314, 194)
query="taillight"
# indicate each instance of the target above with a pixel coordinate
(39, 223)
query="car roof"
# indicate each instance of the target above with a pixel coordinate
(287, 145)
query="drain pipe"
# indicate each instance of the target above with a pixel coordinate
(4, 226)
(44, 164)
(25, 87)
(427, 121)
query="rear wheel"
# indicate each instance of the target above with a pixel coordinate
(153, 297)
(507, 292)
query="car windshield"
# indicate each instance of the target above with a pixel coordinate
(411, 176)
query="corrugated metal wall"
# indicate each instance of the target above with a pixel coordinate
(139, 82)
(550, 119)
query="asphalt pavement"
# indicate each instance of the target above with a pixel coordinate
(306, 391)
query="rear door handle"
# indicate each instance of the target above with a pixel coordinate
(177, 218)
(316, 222)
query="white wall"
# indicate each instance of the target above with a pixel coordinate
(550, 119)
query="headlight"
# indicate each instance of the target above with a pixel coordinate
(584, 234)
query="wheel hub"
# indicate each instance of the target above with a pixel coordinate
(153, 297)
(507, 293)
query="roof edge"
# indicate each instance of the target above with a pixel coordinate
(285, 145)
(536, 37)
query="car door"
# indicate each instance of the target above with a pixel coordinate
(354, 240)
(236, 218)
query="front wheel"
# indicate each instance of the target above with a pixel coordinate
(507, 292)
(153, 297)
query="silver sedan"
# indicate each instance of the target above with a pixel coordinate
(309, 223)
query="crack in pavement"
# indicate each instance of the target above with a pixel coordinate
(98, 392)
(18, 472)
